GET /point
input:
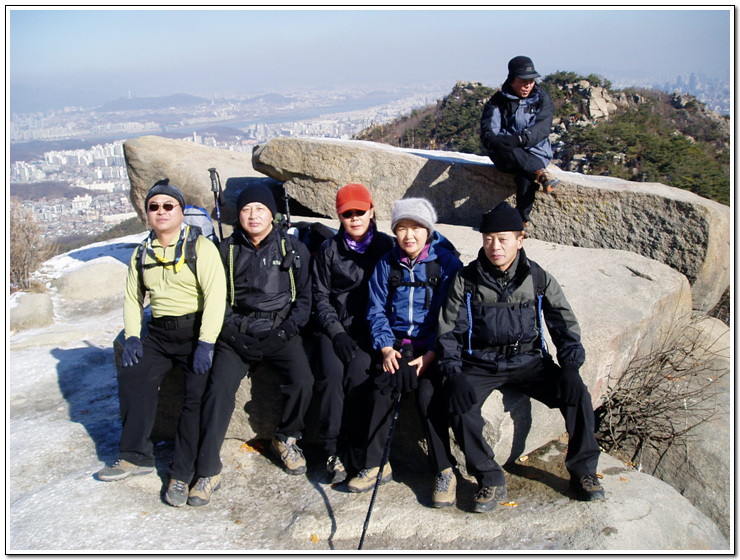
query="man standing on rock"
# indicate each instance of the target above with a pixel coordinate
(491, 336)
(515, 130)
(269, 301)
(187, 302)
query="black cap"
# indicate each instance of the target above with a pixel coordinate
(501, 218)
(257, 193)
(164, 187)
(522, 67)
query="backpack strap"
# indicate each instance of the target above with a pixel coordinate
(291, 260)
(539, 281)
(191, 256)
(433, 274)
(468, 286)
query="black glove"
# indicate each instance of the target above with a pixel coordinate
(406, 377)
(203, 357)
(461, 394)
(132, 351)
(273, 341)
(569, 386)
(344, 347)
(243, 344)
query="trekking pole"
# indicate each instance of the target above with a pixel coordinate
(216, 188)
(383, 461)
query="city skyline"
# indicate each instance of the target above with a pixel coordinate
(247, 51)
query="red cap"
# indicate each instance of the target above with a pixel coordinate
(353, 197)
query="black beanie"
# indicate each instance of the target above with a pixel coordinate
(257, 193)
(501, 218)
(164, 187)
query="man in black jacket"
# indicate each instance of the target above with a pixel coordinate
(269, 301)
(515, 129)
(491, 336)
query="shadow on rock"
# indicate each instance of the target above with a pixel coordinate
(120, 251)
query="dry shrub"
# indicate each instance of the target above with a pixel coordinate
(27, 247)
(663, 396)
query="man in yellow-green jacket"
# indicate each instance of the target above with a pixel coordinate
(187, 292)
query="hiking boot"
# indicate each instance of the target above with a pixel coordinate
(587, 488)
(200, 494)
(335, 469)
(547, 180)
(122, 469)
(290, 455)
(487, 497)
(365, 479)
(177, 493)
(445, 485)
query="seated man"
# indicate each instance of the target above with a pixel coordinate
(188, 300)
(515, 130)
(491, 336)
(268, 302)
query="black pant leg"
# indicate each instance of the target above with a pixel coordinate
(431, 403)
(330, 391)
(218, 406)
(541, 382)
(296, 386)
(138, 394)
(468, 429)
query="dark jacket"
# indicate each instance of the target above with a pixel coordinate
(260, 288)
(505, 332)
(406, 314)
(529, 119)
(340, 279)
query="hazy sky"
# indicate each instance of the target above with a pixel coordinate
(166, 51)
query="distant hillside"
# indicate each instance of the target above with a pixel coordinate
(650, 136)
(152, 103)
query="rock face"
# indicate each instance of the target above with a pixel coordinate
(31, 311)
(698, 466)
(152, 158)
(93, 288)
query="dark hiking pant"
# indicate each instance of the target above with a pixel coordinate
(523, 165)
(296, 387)
(431, 404)
(170, 341)
(343, 392)
(539, 382)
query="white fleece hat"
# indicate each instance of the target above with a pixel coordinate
(420, 210)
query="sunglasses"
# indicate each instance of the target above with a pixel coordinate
(167, 206)
(352, 213)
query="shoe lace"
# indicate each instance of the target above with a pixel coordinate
(179, 486)
(365, 473)
(116, 463)
(442, 482)
(484, 493)
(590, 482)
(292, 451)
(203, 483)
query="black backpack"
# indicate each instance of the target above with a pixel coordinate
(538, 280)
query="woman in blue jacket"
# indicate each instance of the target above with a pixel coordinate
(515, 130)
(407, 289)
